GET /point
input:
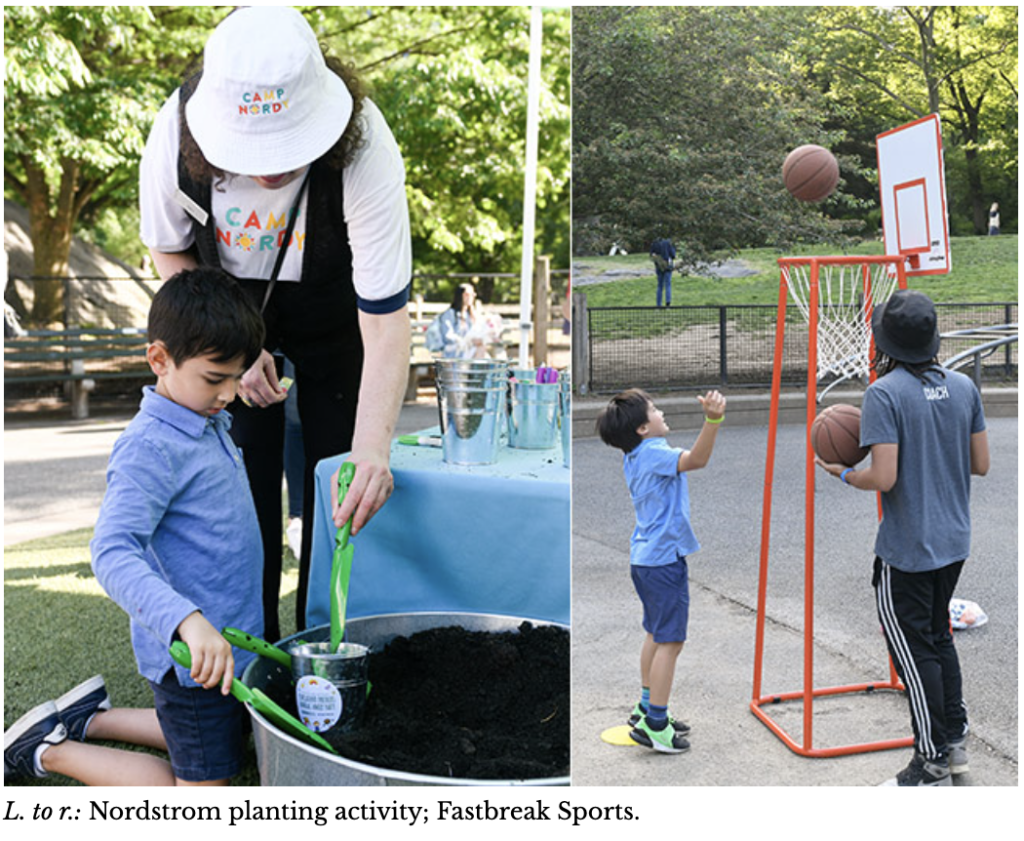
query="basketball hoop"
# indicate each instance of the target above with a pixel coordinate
(846, 291)
(836, 296)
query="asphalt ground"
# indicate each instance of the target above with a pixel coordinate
(714, 678)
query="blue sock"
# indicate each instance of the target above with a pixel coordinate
(657, 717)
(645, 697)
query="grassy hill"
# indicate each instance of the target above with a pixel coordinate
(984, 270)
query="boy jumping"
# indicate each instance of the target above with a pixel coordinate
(177, 546)
(663, 537)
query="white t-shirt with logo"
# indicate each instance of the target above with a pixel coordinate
(250, 221)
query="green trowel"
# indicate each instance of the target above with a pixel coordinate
(269, 709)
(341, 567)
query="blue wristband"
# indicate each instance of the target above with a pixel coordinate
(843, 475)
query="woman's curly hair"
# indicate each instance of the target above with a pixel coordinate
(338, 156)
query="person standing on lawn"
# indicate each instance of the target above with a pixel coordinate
(177, 547)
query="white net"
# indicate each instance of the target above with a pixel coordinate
(848, 292)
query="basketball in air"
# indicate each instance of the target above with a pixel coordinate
(835, 435)
(810, 173)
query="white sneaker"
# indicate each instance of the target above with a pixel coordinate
(294, 535)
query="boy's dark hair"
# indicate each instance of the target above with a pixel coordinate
(884, 364)
(619, 421)
(205, 311)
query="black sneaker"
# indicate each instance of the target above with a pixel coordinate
(22, 740)
(77, 706)
(638, 713)
(665, 740)
(922, 772)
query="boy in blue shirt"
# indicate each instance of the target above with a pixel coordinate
(177, 546)
(663, 537)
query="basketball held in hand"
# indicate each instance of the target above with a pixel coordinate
(835, 435)
(810, 173)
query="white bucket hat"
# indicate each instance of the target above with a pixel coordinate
(267, 103)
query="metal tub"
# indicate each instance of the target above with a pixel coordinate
(285, 761)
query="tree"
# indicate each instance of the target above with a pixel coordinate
(891, 65)
(452, 82)
(682, 117)
(81, 86)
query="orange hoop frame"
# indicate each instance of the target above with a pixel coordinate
(809, 693)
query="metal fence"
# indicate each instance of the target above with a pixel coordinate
(713, 346)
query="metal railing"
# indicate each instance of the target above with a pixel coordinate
(698, 347)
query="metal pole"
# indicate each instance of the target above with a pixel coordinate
(530, 186)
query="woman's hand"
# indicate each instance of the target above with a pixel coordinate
(370, 489)
(260, 386)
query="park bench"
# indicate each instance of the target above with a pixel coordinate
(77, 357)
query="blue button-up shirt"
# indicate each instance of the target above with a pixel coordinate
(661, 499)
(177, 531)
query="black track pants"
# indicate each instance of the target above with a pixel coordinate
(914, 612)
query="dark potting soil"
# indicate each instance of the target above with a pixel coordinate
(448, 702)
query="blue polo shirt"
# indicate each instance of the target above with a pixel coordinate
(177, 532)
(661, 500)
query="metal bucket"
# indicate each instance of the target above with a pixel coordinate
(330, 686)
(471, 400)
(283, 760)
(565, 415)
(533, 417)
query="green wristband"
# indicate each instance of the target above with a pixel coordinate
(716, 420)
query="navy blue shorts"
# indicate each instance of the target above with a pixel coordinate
(664, 592)
(205, 731)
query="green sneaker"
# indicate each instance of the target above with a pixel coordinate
(666, 740)
(638, 713)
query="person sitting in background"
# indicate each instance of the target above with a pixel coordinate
(449, 333)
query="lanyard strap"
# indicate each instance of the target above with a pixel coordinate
(287, 239)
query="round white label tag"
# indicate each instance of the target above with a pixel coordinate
(319, 703)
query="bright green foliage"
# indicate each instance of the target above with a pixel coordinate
(883, 66)
(682, 117)
(452, 82)
(82, 85)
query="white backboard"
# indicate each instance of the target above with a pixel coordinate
(912, 192)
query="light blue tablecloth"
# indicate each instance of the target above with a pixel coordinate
(483, 539)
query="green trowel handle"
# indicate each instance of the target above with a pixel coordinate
(247, 642)
(341, 569)
(259, 701)
(183, 657)
(345, 476)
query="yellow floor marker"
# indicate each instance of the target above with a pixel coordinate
(618, 735)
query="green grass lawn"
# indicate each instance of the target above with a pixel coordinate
(984, 270)
(60, 628)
